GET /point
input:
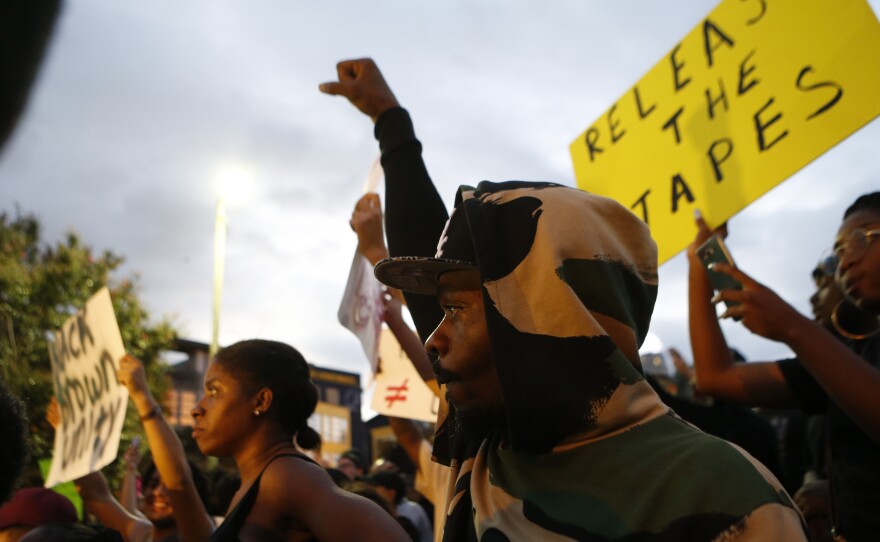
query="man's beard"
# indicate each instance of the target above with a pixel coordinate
(474, 425)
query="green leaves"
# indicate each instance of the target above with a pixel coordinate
(41, 285)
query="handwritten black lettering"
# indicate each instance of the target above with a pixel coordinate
(72, 444)
(613, 124)
(643, 113)
(711, 102)
(676, 69)
(64, 402)
(106, 417)
(60, 346)
(591, 137)
(90, 434)
(717, 158)
(643, 203)
(822, 84)
(680, 190)
(79, 393)
(71, 333)
(673, 122)
(711, 29)
(82, 324)
(760, 14)
(745, 71)
(761, 126)
(104, 382)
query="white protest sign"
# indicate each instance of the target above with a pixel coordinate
(85, 356)
(374, 176)
(361, 308)
(400, 391)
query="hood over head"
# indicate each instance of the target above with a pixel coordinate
(569, 281)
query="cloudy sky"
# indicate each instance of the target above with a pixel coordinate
(140, 105)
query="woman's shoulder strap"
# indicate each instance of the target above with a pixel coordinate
(293, 454)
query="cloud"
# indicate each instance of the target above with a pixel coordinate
(138, 105)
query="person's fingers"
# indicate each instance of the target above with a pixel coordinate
(333, 88)
(701, 224)
(732, 296)
(733, 311)
(124, 364)
(367, 202)
(355, 67)
(348, 69)
(735, 273)
(372, 200)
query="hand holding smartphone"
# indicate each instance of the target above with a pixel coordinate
(715, 251)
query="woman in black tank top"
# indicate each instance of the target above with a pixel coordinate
(258, 398)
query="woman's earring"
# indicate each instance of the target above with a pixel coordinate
(257, 412)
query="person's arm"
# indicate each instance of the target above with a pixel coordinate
(414, 214)
(852, 382)
(753, 384)
(303, 491)
(95, 493)
(408, 436)
(128, 493)
(409, 341)
(193, 521)
(366, 221)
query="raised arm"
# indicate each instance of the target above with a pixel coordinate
(409, 341)
(95, 493)
(128, 493)
(753, 384)
(193, 521)
(852, 382)
(414, 214)
(366, 221)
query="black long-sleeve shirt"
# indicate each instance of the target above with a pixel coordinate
(414, 212)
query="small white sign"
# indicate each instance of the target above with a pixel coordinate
(361, 308)
(400, 391)
(85, 356)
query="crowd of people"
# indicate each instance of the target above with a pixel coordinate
(530, 302)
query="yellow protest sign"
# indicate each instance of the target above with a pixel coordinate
(752, 94)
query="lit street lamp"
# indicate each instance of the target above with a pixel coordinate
(232, 183)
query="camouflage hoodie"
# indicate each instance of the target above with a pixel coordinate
(588, 451)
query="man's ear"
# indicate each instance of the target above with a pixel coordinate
(263, 400)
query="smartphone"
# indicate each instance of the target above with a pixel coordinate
(715, 251)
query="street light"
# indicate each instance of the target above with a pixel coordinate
(219, 256)
(231, 183)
